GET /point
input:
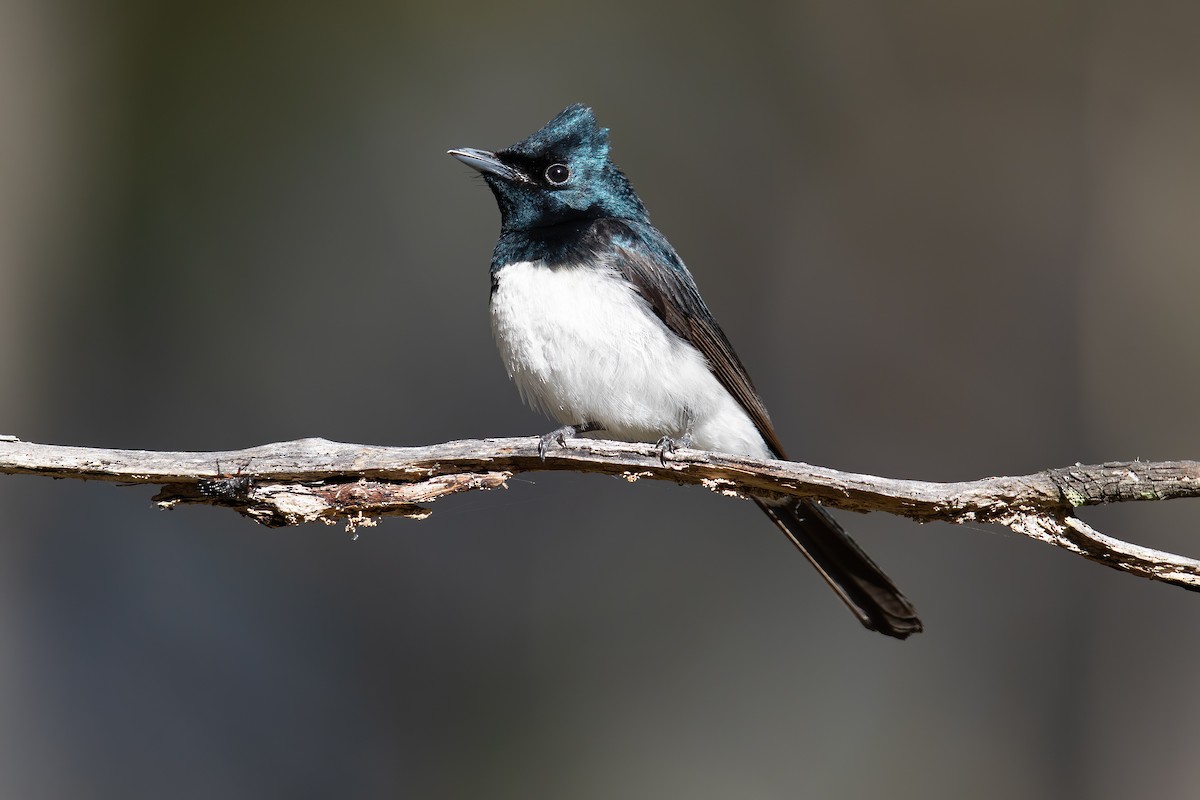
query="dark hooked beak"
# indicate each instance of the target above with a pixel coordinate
(487, 163)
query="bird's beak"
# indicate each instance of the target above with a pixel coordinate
(487, 163)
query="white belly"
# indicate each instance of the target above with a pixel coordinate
(583, 346)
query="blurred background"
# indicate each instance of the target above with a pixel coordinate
(950, 240)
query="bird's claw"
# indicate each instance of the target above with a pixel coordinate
(565, 432)
(668, 445)
(559, 436)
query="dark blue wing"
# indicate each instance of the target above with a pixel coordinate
(647, 261)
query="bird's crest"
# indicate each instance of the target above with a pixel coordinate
(574, 130)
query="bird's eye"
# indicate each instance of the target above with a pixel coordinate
(558, 174)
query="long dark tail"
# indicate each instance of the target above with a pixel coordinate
(863, 587)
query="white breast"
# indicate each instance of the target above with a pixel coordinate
(583, 346)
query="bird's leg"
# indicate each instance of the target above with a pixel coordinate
(669, 445)
(565, 432)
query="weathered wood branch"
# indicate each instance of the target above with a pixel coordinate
(288, 483)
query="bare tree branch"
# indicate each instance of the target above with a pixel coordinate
(288, 483)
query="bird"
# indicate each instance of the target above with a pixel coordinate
(602, 327)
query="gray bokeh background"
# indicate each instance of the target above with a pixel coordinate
(949, 241)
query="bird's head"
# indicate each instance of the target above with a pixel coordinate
(559, 174)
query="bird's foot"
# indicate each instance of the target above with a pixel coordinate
(561, 435)
(668, 445)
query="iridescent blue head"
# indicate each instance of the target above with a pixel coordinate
(559, 174)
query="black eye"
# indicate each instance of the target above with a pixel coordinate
(558, 174)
